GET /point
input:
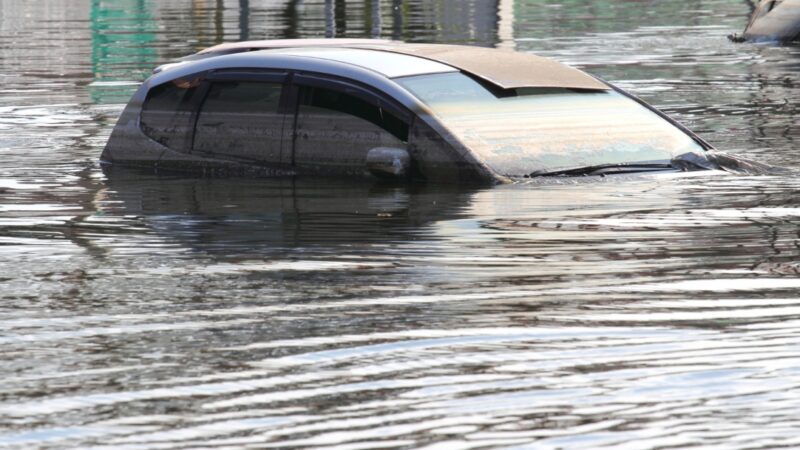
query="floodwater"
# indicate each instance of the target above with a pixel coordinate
(143, 311)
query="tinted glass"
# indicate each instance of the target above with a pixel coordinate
(241, 119)
(166, 115)
(335, 131)
(354, 106)
(544, 129)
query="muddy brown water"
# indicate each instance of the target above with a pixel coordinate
(143, 311)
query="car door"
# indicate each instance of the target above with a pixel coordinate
(338, 122)
(242, 118)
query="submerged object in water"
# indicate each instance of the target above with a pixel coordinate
(774, 20)
(387, 109)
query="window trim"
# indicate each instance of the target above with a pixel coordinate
(267, 76)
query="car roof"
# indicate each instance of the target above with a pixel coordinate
(236, 47)
(391, 65)
(502, 68)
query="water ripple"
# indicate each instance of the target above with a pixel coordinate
(155, 311)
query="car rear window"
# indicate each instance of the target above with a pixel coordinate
(528, 130)
(167, 112)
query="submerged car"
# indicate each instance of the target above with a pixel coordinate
(394, 110)
(775, 21)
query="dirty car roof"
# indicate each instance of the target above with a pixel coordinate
(234, 47)
(502, 68)
(392, 65)
(506, 69)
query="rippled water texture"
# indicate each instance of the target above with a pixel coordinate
(140, 311)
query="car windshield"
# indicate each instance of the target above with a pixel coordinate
(542, 129)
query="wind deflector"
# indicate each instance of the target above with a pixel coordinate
(248, 46)
(505, 69)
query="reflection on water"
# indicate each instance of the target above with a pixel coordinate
(258, 217)
(123, 34)
(152, 311)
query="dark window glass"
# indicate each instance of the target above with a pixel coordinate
(241, 119)
(354, 106)
(166, 115)
(335, 131)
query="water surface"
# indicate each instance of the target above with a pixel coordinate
(153, 311)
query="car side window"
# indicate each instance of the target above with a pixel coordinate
(336, 130)
(241, 119)
(341, 102)
(167, 113)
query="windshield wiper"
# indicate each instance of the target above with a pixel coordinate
(590, 170)
(686, 162)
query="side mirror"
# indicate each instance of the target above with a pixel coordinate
(388, 162)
